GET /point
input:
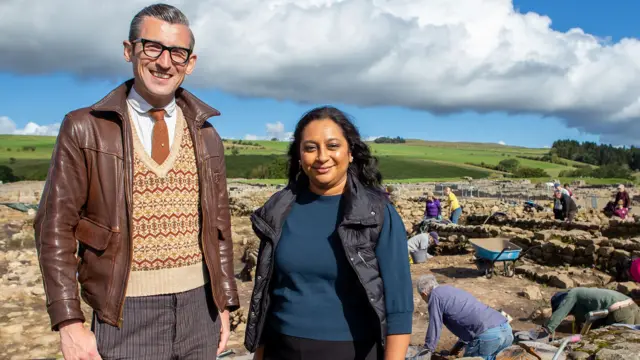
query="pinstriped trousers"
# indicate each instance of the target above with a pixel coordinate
(173, 326)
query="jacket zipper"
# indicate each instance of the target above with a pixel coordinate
(264, 312)
(350, 260)
(361, 258)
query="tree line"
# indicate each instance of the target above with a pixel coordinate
(594, 154)
(389, 140)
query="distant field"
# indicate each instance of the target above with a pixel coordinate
(391, 167)
(450, 153)
(415, 160)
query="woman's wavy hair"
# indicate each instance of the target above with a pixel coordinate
(364, 166)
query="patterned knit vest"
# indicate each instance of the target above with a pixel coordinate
(167, 257)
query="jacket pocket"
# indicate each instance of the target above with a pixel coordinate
(93, 235)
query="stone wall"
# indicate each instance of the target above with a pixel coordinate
(579, 248)
(550, 247)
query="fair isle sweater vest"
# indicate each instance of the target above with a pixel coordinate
(167, 257)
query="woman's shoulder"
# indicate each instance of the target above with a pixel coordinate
(282, 195)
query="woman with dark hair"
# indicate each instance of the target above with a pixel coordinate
(332, 279)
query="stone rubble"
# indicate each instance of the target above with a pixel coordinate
(585, 253)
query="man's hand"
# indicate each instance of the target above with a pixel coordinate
(540, 334)
(225, 330)
(423, 354)
(457, 348)
(77, 342)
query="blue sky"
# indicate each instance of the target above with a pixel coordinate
(45, 97)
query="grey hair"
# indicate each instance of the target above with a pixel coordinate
(164, 12)
(426, 284)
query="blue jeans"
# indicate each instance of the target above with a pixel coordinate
(455, 215)
(491, 342)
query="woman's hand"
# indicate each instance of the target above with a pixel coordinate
(259, 354)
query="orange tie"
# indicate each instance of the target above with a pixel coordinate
(159, 137)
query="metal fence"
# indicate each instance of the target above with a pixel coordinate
(510, 194)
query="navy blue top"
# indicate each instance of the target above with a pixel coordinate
(461, 313)
(316, 293)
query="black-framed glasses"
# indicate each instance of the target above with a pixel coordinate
(154, 49)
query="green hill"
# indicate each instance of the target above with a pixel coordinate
(28, 157)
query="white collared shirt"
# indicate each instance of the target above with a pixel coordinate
(142, 120)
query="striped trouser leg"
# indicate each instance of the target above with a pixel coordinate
(174, 326)
(147, 331)
(197, 325)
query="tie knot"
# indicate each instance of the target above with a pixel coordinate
(157, 114)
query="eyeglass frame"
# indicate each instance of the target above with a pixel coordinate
(163, 47)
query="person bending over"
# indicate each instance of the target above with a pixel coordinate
(484, 331)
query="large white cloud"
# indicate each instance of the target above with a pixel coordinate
(437, 55)
(7, 126)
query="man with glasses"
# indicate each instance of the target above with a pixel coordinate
(135, 209)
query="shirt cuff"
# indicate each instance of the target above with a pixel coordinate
(399, 323)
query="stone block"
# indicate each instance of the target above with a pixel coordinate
(561, 281)
(591, 249)
(586, 242)
(618, 243)
(568, 250)
(628, 287)
(606, 251)
(532, 293)
(543, 235)
(620, 254)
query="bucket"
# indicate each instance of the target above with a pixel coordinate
(419, 256)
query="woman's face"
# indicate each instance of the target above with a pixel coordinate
(325, 156)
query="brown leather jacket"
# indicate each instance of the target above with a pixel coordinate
(87, 197)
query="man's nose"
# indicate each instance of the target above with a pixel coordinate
(164, 60)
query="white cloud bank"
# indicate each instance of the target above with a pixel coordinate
(7, 126)
(273, 131)
(441, 56)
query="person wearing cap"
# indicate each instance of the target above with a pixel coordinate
(558, 186)
(564, 207)
(433, 209)
(483, 332)
(422, 241)
(623, 195)
(580, 301)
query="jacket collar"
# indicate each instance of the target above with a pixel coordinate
(358, 206)
(358, 203)
(194, 109)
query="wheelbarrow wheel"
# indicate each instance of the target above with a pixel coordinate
(509, 269)
(488, 272)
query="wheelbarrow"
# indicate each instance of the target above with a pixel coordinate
(489, 251)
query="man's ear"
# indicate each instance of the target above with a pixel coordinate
(127, 51)
(191, 64)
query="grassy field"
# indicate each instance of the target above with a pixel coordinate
(413, 161)
(452, 154)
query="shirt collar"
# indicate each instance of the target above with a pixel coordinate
(139, 104)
